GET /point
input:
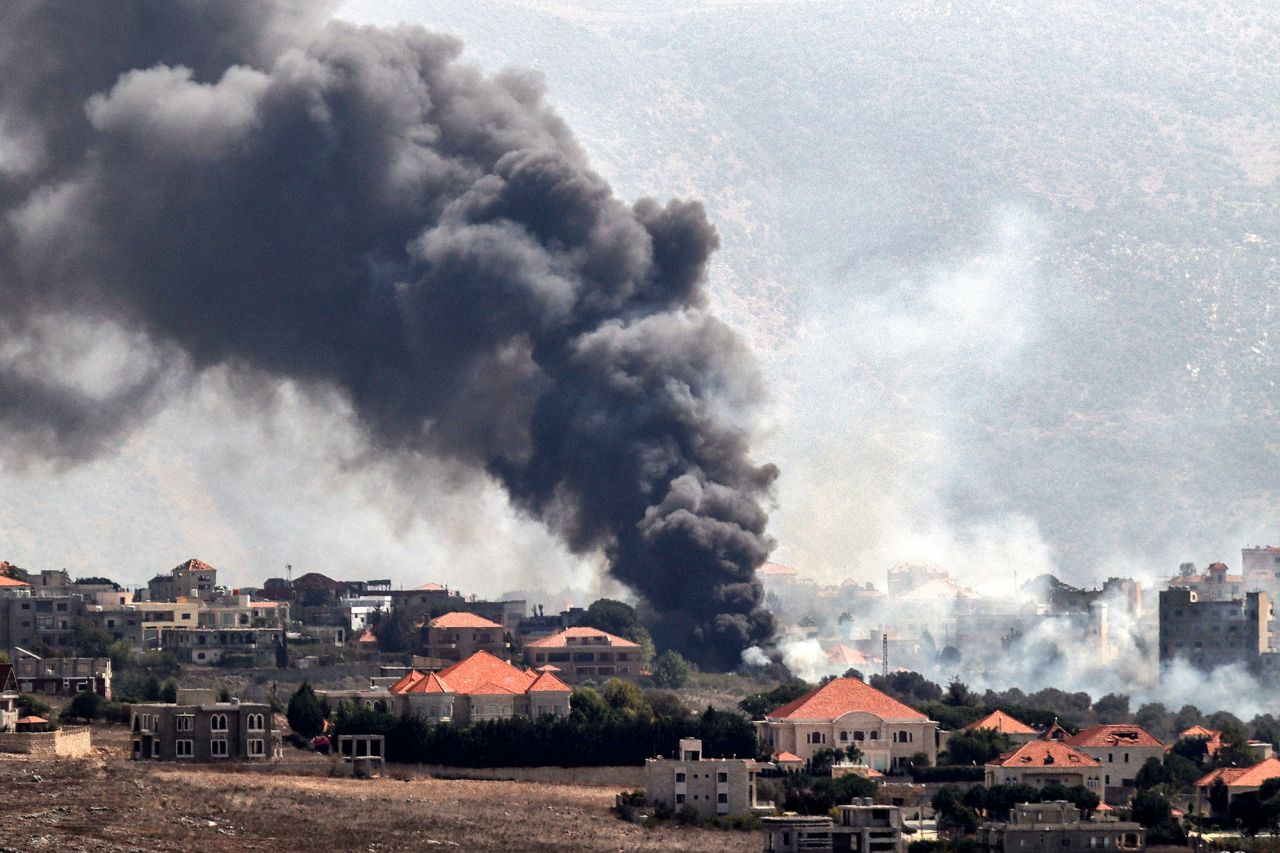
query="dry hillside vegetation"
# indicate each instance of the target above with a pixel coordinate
(116, 805)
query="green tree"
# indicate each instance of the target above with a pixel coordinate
(759, 704)
(670, 669)
(1258, 811)
(169, 692)
(30, 705)
(396, 632)
(976, 746)
(1112, 708)
(306, 714)
(85, 706)
(1155, 813)
(91, 639)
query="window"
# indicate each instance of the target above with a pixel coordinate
(257, 748)
(722, 777)
(679, 777)
(184, 748)
(844, 736)
(218, 747)
(679, 798)
(185, 722)
(859, 735)
(875, 736)
(155, 748)
(256, 723)
(218, 723)
(722, 798)
(1126, 758)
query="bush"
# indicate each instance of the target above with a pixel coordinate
(306, 714)
(85, 706)
(33, 706)
(953, 773)
(670, 669)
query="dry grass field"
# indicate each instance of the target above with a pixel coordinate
(109, 805)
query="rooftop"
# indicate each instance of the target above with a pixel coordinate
(462, 619)
(842, 696)
(1243, 777)
(1003, 723)
(1044, 753)
(1114, 735)
(194, 565)
(575, 636)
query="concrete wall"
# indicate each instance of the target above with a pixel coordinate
(71, 742)
(613, 777)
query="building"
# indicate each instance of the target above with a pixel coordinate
(1045, 762)
(1212, 738)
(909, 575)
(482, 687)
(141, 622)
(1238, 780)
(1208, 633)
(204, 731)
(192, 579)
(709, 786)
(8, 698)
(1121, 750)
(1058, 826)
(210, 646)
(63, 676)
(1015, 730)
(457, 636)
(581, 653)
(44, 623)
(863, 827)
(847, 712)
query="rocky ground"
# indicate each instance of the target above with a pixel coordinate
(108, 804)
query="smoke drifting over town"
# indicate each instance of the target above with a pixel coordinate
(248, 187)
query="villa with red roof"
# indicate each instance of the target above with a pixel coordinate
(1044, 762)
(1212, 738)
(1121, 749)
(1239, 780)
(1007, 725)
(482, 687)
(848, 712)
(459, 635)
(579, 653)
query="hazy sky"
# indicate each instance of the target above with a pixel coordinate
(1010, 276)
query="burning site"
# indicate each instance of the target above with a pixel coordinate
(704, 425)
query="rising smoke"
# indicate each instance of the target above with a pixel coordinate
(251, 187)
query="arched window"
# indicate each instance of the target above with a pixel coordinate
(218, 723)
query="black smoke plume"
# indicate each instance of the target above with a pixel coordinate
(254, 187)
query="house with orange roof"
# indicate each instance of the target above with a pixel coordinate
(1007, 725)
(191, 579)
(1045, 762)
(11, 587)
(1121, 749)
(458, 635)
(1212, 738)
(481, 687)
(848, 712)
(582, 653)
(1239, 780)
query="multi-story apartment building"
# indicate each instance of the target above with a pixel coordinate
(1214, 632)
(580, 653)
(709, 786)
(209, 646)
(40, 622)
(1216, 584)
(457, 636)
(204, 732)
(63, 676)
(142, 622)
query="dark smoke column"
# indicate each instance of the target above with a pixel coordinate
(252, 186)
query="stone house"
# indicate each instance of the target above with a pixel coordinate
(1045, 762)
(482, 687)
(63, 676)
(193, 579)
(848, 712)
(710, 786)
(1239, 780)
(457, 636)
(863, 827)
(1121, 750)
(1012, 728)
(580, 653)
(213, 731)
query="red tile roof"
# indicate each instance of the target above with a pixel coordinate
(1114, 735)
(5, 580)
(194, 565)
(548, 683)
(462, 619)
(418, 682)
(776, 570)
(1243, 777)
(430, 587)
(788, 758)
(1003, 723)
(366, 636)
(842, 696)
(842, 655)
(561, 640)
(1044, 753)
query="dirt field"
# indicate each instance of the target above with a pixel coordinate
(110, 805)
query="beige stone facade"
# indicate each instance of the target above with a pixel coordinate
(710, 786)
